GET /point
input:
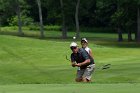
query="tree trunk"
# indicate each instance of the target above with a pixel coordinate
(138, 24)
(129, 36)
(0, 24)
(135, 35)
(120, 38)
(20, 33)
(64, 30)
(77, 19)
(0, 19)
(40, 18)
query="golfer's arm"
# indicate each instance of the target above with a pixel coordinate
(90, 53)
(86, 62)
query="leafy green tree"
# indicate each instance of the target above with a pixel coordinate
(7, 8)
(18, 12)
(105, 9)
(18, 5)
(64, 30)
(77, 19)
(124, 18)
(87, 13)
(1, 10)
(123, 15)
(26, 21)
(138, 24)
(5, 11)
(40, 17)
(138, 21)
(130, 19)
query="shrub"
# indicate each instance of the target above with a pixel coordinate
(13, 21)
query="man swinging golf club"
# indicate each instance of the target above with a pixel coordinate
(81, 59)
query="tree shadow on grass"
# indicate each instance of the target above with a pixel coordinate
(101, 41)
(35, 35)
(124, 44)
(31, 35)
(112, 42)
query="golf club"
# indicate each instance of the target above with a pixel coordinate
(67, 58)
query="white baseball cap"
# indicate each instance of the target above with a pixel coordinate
(73, 44)
(84, 39)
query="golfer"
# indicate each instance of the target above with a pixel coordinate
(84, 43)
(81, 59)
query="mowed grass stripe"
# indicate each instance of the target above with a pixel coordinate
(71, 88)
(34, 61)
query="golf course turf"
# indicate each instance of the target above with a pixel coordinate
(29, 65)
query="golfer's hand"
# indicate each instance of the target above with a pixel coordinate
(78, 65)
(73, 64)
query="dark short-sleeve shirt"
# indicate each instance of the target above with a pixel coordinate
(81, 56)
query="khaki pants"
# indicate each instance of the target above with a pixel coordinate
(86, 73)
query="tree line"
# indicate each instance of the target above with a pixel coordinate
(121, 15)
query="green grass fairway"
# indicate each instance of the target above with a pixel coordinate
(29, 65)
(71, 88)
(34, 61)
